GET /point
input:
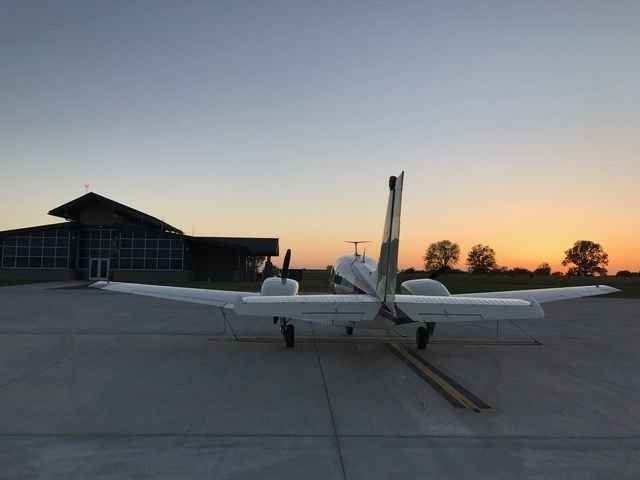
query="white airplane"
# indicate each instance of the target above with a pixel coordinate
(365, 293)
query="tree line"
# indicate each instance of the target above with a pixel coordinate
(586, 258)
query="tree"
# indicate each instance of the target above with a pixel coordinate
(588, 257)
(442, 254)
(543, 269)
(481, 259)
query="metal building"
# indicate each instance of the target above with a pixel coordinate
(103, 239)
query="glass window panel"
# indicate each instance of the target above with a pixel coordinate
(138, 243)
(63, 242)
(94, 252)
(49, 252)
(95, 243)
(105, 244)
(125, 263)
(62, 252)
(62, 232)
(163, 264)
(113, 264)
(10, 251)
(151, 253)
(150, 264)
(126, 243)
(35, 252)
(35, 262)
(176, 264)
(61, 263)
(37, 234)
(137, 264)
(176, 254)
(125, 253)
(9, 262)
(11, 241)
(48, 262)
(164, 243)
(23, 251)
(163, 253)
(105, 234)
(83, 262)
(23, 241)
(50, 242)
(83, 243)
(138, 253)
(22, 261)
(36, 241)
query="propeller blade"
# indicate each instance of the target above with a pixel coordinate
(285, 264)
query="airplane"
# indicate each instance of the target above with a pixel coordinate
(364, 293)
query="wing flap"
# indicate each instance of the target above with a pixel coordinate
(331, 309)
(422, 308)
(545, 295)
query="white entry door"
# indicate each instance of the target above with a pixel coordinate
(98, 269)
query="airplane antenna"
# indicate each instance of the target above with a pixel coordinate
(364, 252)
(355, 243)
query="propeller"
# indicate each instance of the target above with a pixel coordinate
(284, 273)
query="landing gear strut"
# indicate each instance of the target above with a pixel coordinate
(349, 330)
(288, 331)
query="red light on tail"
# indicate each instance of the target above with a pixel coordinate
(392, 182)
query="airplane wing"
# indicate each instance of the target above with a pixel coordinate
(217, 298)
(544, 295)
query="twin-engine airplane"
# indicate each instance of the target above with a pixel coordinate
(365, 293)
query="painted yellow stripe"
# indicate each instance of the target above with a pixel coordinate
(446, 386)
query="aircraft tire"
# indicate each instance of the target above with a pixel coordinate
(349, 330)
(289, 335)
(422, 338)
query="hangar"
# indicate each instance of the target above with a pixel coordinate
(103, 239)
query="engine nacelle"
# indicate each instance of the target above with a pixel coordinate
(425, 286)
(273, 286)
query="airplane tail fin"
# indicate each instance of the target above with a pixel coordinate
(388, 263)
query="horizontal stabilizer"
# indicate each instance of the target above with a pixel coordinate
(420, 308)
(331, 309)
(218, 298)
(545, 295)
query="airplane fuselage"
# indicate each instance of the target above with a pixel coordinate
(353, 274)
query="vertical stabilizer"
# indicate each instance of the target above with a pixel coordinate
(388, 263)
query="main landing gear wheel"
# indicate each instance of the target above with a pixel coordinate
(422, 338)
(349, 330)
(289, 335)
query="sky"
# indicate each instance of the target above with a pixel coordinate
(517, 123)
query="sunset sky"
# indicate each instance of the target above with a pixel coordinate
(517, 123)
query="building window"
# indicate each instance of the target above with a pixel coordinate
(97, 243)
(141, 250)
(37, 249)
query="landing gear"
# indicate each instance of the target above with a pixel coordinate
(349, 330)
(288, 331)
(422, 338)
(289, 335)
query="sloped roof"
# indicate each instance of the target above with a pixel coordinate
(253, 246)
(17, 231)
(71, 211)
